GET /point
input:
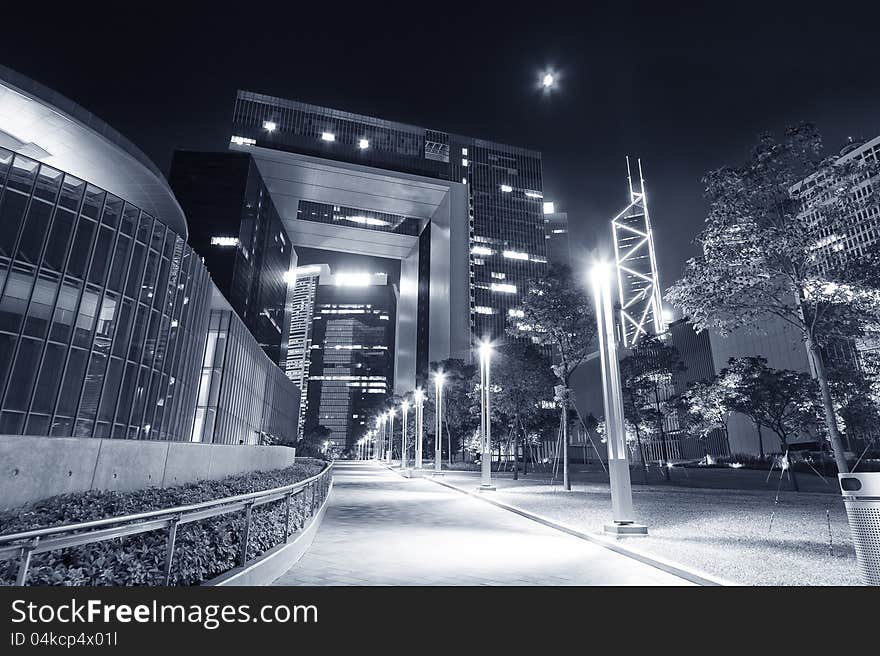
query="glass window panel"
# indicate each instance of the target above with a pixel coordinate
(42, 302)
(82, 248)
(7, 349)
(11, 423)
(106, 317)
(85, 318)
(101, 260)
(126, 393)
(83, 428)
(111, 390)
(23, 374)
(22, 174)
(112, 210)
(145, 226)
(71, 193)
(48, 183)
(5, 163)
(15, 298)
(91, 394)
(120, 343)
(37, 425)
(149, 281)
(62, 426)
(120, 263)
(34, 233)
(135, 350)
(102, 430)
(136, 270)
(73, 380)
(65, 310)
(11, 214)
(49, 378)
(158, 236)
(129, 219)
(59, 236)
(93, 202)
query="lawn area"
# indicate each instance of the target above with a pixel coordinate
(723, 532)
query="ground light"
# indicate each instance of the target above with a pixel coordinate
(485, 351)
(618, 466)
(438, 431)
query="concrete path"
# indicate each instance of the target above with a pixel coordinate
(381, 529)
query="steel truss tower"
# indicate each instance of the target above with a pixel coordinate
(641, 309)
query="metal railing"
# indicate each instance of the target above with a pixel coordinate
(64, 536)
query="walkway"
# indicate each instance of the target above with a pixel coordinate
(381, 529)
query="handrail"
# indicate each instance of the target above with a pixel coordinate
(69, 535)
(178, 510)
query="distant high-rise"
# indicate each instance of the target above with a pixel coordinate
(556, 236)
(342, 346)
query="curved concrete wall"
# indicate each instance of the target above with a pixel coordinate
(33, 468)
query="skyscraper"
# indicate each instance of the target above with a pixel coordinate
(556, 236)
(342, 346)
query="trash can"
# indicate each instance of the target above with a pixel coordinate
(861, 496)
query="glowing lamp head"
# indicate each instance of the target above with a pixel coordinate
(404, 406)
(363, 144)
(419, 395)
(485, 350)
(439, 378)
(548, 80)
(600, 274)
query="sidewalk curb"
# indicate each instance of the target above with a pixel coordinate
(686, 573)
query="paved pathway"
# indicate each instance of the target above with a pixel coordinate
(381, 529)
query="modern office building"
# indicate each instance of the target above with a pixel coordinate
(302, 309)
(347, 355)
(464, 216)
(104, 308)
(234, 226)
(556, 236)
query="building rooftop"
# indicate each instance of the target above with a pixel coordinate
(44, 125)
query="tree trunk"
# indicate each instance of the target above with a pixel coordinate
(566, 481)
(641, 453)
(516, 447)
(760, 442)
(828, 405)
(527, 453)
(666, 473)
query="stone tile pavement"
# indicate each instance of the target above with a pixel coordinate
(381, 529)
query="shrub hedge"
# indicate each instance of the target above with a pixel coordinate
(203, 549)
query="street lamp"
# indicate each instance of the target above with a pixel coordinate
(485, 351)
(404, 407)
(618, 465)
(376, 450)
(438, 415)
(419, 396)
(390, 436)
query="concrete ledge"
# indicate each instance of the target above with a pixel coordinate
(275, 562)
(682, 571)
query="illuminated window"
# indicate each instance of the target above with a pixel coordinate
(482, 250)
(328, 136)
(549, 208)
(224, 241)
(269, 126)
(534, 194)
(515, 255)
(464, 162)
(243, 141)
(515, 313)
(363, 144)
(503, 287)
(506, 188)
(482, 309)
(499, 276)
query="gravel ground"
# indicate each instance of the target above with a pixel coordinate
(726, 533)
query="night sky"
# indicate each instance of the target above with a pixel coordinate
(685, 86)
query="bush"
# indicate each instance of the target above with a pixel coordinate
(203, 549)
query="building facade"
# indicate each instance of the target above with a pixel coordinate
(467, 253)
(556, 236)
(350, 354)
(104, 307)
(234, 226)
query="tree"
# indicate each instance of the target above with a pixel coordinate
(558, 313)
(457, 419)
(855, 388)
(705, 406)
(758, 251)
(646, 378)
(312, 443)
(524, 380)
(782, 400)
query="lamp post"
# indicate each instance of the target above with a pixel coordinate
(404, 408)
(618, 465)
(390, 436)
(420, 400)
(438, 415)
(485, 351)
